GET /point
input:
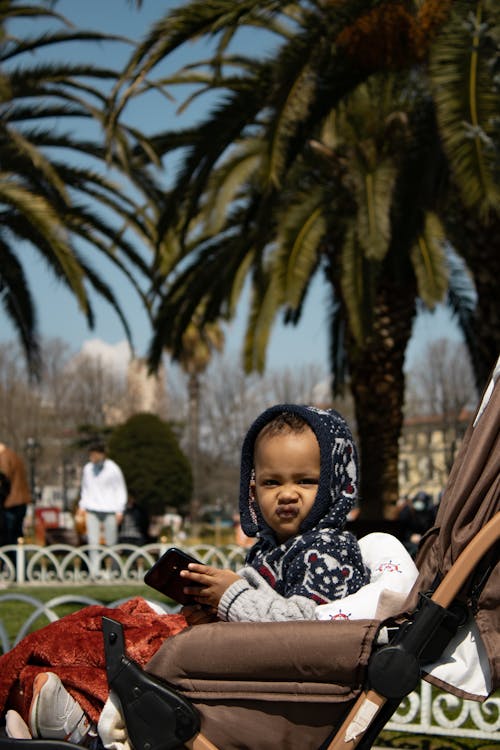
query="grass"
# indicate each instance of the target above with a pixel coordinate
(14, 614)
(405, 741)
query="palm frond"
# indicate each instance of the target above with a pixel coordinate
(16, 300)
(337, 349)
(226, 124)
(37, 159)
(428, 258)
(107, 293)
(45, 199)
(294, 69)
(43, 223)
(299, 244)
(462, 73)
(193, 20)
(227, 181)
(14, 48)
(358, 288)
(462, 298)
(266, 299)
(207, 282)
(374, 199)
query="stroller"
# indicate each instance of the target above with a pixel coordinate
(332, 685)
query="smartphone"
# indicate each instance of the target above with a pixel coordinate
(164, 575)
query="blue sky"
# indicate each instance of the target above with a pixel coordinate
(58, 313)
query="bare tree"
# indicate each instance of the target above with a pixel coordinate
(19, 401)
(34, 416)
(98, 393)
(297, 385)
(443, 385)
(442, 382)
(230, 401)
(71, 391)
(76, 390)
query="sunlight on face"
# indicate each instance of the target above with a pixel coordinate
(287, 468)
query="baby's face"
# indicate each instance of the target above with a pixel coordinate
(287, 468)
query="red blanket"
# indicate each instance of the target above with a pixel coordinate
(73, 648)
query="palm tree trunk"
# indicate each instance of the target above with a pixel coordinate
(377, 383)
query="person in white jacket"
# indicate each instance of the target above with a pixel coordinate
(103, 498)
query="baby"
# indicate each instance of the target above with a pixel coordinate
(298, 482)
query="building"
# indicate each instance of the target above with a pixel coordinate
(427, 450)
(146, 392)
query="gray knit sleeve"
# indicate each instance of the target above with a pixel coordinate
(251, 599)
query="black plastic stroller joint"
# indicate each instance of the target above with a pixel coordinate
(395, 670)
(157, 718)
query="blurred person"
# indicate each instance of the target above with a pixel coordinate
(416, 515)
(240, 538)
(103, 499)
(134, 526)
(15, 495)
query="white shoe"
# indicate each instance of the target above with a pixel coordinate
(16, 727)
(54, 713)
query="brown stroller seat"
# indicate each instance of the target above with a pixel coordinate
(260, 686)
(327, 685)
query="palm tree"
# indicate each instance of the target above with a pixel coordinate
(368, 212)
(321, 213)
(198, 343)
(58, 192)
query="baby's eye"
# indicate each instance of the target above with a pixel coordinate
(309, 481)
(269, 482)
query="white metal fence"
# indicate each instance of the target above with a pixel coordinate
(426, 711)
(436, 713)
(123, 563)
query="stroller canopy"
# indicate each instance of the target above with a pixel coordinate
(470, 500)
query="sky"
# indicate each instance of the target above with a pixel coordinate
(59, 317)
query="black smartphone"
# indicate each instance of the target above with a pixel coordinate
(164, 575)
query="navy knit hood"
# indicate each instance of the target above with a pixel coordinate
(338, 480)
(323, 561)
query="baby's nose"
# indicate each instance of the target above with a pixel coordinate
(288, 494)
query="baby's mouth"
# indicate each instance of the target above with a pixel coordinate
(287, 511)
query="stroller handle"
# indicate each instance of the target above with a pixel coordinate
(466, 562)
(370, 703)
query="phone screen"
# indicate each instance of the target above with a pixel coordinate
(164, 575)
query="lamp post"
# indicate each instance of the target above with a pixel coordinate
(32, 448)
(65, 473)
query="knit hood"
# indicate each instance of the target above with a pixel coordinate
(338, 480)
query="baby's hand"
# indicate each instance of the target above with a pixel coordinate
(195, 614)
(213, 581)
